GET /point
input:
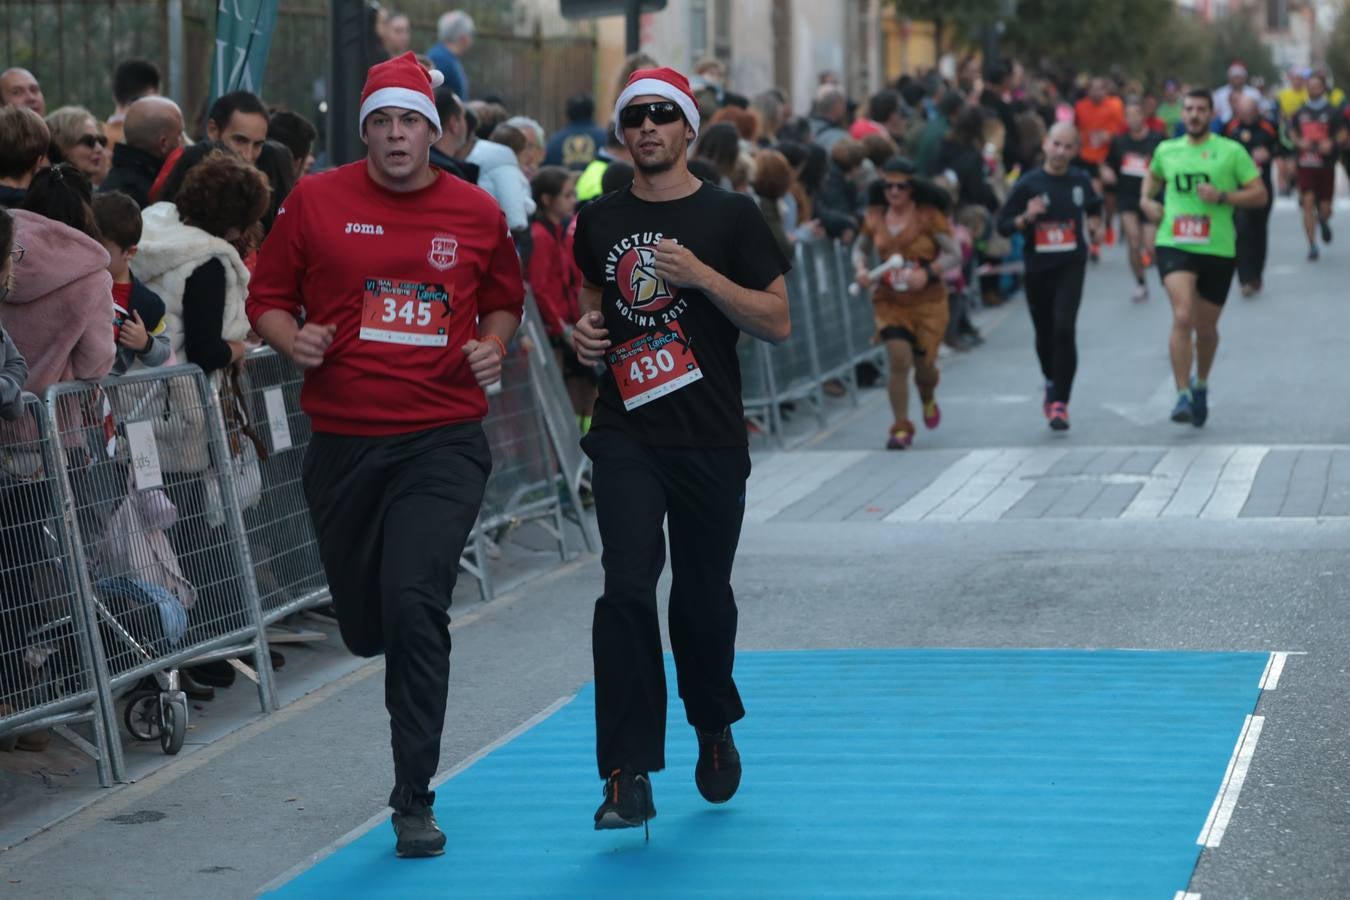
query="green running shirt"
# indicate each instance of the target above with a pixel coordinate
(1189, 223)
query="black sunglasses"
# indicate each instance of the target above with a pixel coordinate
(662, 112)
(89, 140)
(899, 186)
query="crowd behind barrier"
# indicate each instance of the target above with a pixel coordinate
(157, 520)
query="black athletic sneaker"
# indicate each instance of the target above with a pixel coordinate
(417, 831)
(718, 772)
(628, 801)
(1326, 231)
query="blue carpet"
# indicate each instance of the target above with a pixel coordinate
(898, 773)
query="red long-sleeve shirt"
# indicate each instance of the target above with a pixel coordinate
(404, 277)
(554, 278)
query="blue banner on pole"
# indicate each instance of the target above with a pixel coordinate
(243, 36)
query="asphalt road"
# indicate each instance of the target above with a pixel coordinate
(233, 816)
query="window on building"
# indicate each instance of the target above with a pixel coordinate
(722, 31)
(698, 30)
(1277, 15)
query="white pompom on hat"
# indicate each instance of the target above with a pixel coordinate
(402, 83)
(663, 82)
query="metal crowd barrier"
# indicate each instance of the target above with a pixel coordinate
(832, 333)
(47, 670)
(524, 484)
(148, 525)
(285, 552)
(564, 432)
(157, 541)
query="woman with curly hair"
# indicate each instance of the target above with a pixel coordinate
(191, 255)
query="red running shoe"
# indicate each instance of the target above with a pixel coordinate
(1059, 417)
(932, 415)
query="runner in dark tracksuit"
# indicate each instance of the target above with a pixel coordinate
(1053, 206)
(1261, 138)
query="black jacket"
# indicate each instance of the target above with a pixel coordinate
(1012, 138)
(456, 167)
(133, 173)
(12, 197)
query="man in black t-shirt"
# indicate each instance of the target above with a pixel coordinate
(1125, 167)
(674, 271)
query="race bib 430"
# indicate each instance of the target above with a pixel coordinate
(652, 366)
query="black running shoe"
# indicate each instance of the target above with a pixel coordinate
(718, 772)
(628, 801)
(417, 831)
(1326, 232)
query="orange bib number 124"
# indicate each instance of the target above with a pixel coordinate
(652, 366)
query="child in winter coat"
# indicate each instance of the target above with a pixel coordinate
(138, 312)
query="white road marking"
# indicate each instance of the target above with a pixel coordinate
(1006, 495)
(1225, 803)
(1152, 411)
(944, 486)
(1270, 678)
(1198, 483)
(1235, 483)
(1154, 496)
(1186, 895)
(781, 480)
(981, 484)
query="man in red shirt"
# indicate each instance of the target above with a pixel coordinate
(1099, 116)
(410, 288)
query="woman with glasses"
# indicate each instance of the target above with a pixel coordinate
(79, 140)
(907, 223)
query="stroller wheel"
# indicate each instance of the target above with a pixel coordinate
(141, 715)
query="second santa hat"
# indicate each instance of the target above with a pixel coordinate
(663, 82)
(402, 83)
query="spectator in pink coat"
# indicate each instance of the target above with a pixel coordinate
(59, 312)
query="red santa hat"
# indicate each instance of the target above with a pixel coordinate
(402, 83)
(663, 82)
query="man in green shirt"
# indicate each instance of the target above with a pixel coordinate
(1205, 176)
(1169, 107)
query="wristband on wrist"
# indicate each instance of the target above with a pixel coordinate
(498, 341)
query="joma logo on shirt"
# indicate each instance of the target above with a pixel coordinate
(362, 228)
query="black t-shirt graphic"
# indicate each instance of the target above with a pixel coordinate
(672, 375)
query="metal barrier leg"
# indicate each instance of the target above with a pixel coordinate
(243, 558)
(84, 607)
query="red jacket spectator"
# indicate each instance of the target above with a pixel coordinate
(554, 278)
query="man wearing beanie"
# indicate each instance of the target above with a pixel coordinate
(409, 289)
(674, 271)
